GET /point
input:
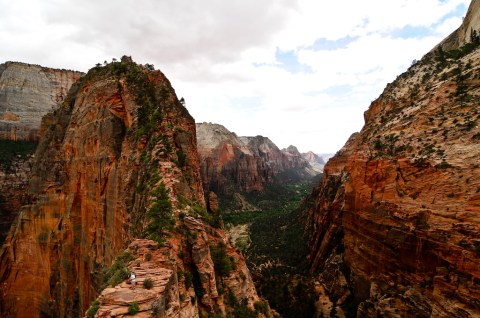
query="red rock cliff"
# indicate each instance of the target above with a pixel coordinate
(120, 147)
(395, 222)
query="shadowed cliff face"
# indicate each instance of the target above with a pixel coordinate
(116, 162)
(394, 225)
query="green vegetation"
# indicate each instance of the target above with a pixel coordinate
(133, 308)
(148, 257)
(221, 262)
(92, 310)
(276, 234)
(11, 150)
(160, 215)
(148, 283)
(240, 308)
(443, 165)
(119, 271)
(196, 210)
(279, 198)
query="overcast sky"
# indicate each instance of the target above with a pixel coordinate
(301, 72)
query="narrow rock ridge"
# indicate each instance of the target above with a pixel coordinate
(117, 165)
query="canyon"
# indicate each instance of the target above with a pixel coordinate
(123, 181)
(232, 165)
(394, 225)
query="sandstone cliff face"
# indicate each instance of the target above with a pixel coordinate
(27, 92)
(395, 222)
(117, 162)
(229, 163)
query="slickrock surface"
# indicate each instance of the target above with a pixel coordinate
(230, 164)
(395, 223)
(117, 162)
(27, 92)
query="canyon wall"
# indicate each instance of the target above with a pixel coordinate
(116, 173)
(27, 92)
(394, 225)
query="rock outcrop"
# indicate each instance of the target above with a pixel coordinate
(230, 164)
(395, 222)
(117, 162)
(27, 92)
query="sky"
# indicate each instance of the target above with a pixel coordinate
(301, 72)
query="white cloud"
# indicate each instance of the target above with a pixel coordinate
(222, 55)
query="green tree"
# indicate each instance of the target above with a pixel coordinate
(160, 215)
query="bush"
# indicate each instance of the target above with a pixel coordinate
(221, 262)
(148, 283)
(118, 272)
(148, 257)
(261, 306)
(94, 306)
(133, 308)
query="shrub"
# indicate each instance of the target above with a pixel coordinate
(133, 308)
(118, 272)
(148, 283)
(92, 310)
(443, 165)
(261, 306)
(148, 257)
(221, 262)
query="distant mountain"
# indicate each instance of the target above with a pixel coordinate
(229, 163)
(316, 161)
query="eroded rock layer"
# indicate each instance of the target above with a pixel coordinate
(395, 222)
(117, 162)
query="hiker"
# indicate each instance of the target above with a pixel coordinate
(132, 279)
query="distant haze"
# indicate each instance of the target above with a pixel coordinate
(299, 72)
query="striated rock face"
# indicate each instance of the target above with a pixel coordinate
(395, 222)
(117, 162)
(27, 92)
(229, 163)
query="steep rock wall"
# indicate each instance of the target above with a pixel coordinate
(394, 225)
(120, 141)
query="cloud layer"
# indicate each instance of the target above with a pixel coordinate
(300, 72)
